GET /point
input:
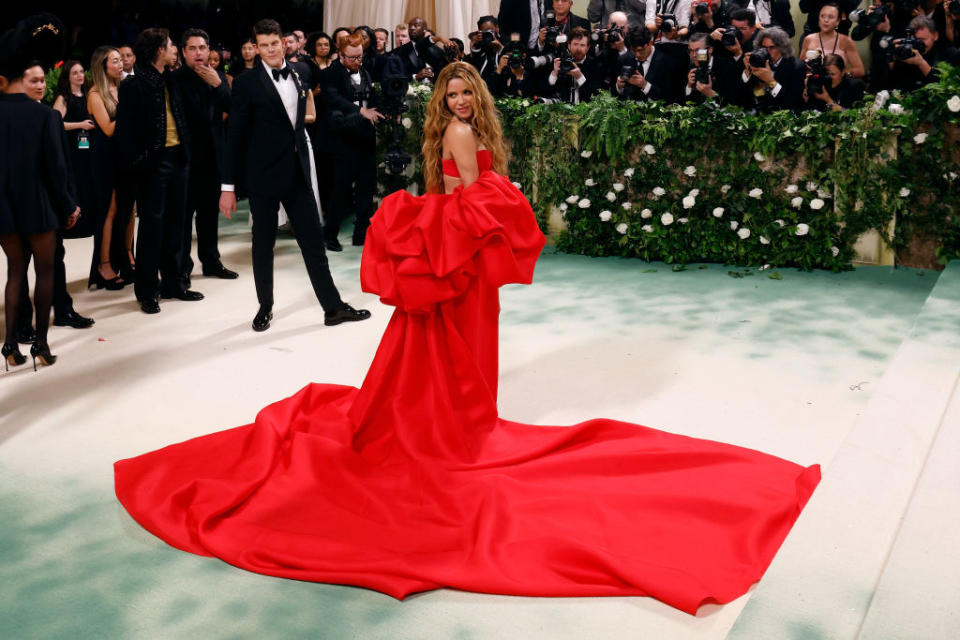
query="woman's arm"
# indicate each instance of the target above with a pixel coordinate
(99, 112)
(804, 48)
(61, 105)
(310, 115)
(854, 63)
(462, 144)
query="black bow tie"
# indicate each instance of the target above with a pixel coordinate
(285, 72)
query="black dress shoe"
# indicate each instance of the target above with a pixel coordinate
(345, 314)
(334, 245)
(150, 305)
(184, 294)
(220, 271)
(72, 319)
(261, 321)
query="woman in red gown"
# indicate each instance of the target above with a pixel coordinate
(413, 482)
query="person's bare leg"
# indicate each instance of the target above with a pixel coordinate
(105, 267)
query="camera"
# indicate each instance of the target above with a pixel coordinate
(759, 58)
(867, 20)
(513, 51)
(701, 7)
(553, 31)
(729, 36)
(902, 48)
(607, 37)
(817, 73)
(668, 23)
(702, 74)
(566, 58)
(487, 37)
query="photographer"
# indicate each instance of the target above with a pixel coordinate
(610, 44)
(350, 106)
(485, 49)
(828, 88)
(708, 15)
(600, 11)
(745, 22)
(575, 78)
(668, 19)
(559, 21)
(881, 19)
(774, 13)
(712, 77)
(513, 80)
(418, 56)
(647, 73)
(774, 78)
(913, 58)
(951, 23)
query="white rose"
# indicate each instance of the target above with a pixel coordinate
(759, 157)
(622, 228)
(406, 122)
(586, 153)
(646, 213)
(618, 186)
(694, 193)
(756, 193)
(690, 171)
(835, 251)
(816, 204)
(605, 216)
(733, 225)
(764, 240)
(904, 192)
(584, 204)
(611, 196)
(895, 109)
(516, 184)
(718, 212)
(572, 199)
(792, 188)
(725, 188)
(649, 150)
(666, 219)
(629, 172)
(954, 104)
(589, 182)
(802, 229)
(659, 191)
(647, 228)
(563, 206)
(823, 193)
(525, 103)
(627, 205)
(920, 138)
(779, 222)
(812, 186)
(682, 220)
(881, 100)
(744, 233)
(796, 202)
(688, 202)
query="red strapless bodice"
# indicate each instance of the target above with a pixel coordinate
(484, 161)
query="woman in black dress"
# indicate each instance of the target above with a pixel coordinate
(34, 202)
(106, 69)
(71, 102)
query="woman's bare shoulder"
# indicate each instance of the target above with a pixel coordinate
(459, 136)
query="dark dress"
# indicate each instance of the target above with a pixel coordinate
(103, 166)
(82, 166)
(34, 195)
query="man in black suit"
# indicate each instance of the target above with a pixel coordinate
(774, 77)
(522, 17)
(565, 21)
(649, 73)
(413, 54)
(584, 79)
(268, 155)
(350, 107)
(713, 77)
(206, 98)
(153, 141)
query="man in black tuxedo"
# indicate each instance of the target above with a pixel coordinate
(522, 17)
(350, 107)
(649, 73)
(206, 98)
(585, 79)
(713, 77)
(412, 55)
(268, 155)
(565, 21)
(153, 142)
(774, 77)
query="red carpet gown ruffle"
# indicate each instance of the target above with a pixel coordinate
(413, 482)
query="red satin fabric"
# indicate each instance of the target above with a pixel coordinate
(413, 482)
(484, 162)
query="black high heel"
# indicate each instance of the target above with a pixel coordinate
(11, 356)
(42, 352)
(113, 284)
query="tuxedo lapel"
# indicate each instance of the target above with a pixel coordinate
(273, 95)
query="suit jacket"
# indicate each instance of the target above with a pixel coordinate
(666, 74)
(263, 148)
(412, 62)
(349, 130)
(592, 70)
(514, 17)
(34, 178)
(790, 73)
(142, 118)
(725, 76)
(204, 107)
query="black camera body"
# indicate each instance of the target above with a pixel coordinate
(867, 20)
(553, 31)
(729, 36)
(702, 74)
(759, 58)
(606, 37)
(668, 23)
(817, 74)
(566, 60)
(513, 51)
(902, 48)
(701, 7)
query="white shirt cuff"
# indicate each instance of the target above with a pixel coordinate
(776, 90)
(226, 187)
(646, 89)
(745, 77)
(582, 80)
(553, 79)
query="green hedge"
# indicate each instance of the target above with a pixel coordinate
(701, 183)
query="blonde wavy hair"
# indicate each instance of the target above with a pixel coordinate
(484, 122)
(101, 81)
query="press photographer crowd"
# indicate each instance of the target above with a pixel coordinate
(171, 127)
